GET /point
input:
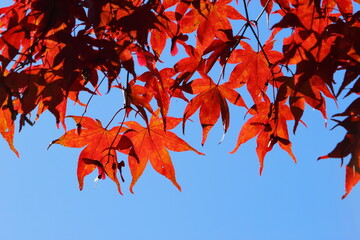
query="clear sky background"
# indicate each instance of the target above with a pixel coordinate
(223, 196)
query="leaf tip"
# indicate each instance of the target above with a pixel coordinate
(118, 187)
(344, 196)
(119, 190)
(261, 169)
(322, 157)
(51, 144)
(234, 150)
(131, 188)
(178, 187)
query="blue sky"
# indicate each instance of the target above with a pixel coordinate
(223, 196)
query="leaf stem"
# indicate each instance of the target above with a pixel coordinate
(90, 98)
(262, 12)
(244, 29)
(253, 31)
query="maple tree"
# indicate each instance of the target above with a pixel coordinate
(52, 51)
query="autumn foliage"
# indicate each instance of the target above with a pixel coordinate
(54, 50)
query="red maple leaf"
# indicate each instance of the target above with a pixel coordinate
(151, 143)
(7, 127)
(136, 22)
(253, 68)
(349, 145)
(210, 17)
(50, 50)
(159, 85)
(99, 151)
(211, 99)
(166, 28)
(269, 124)
(186, 67)
(43, 90)
(221, 48)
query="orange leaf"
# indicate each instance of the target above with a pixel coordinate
(7, 128)
(151, 143)
(189, 65)
(208, 19)
(99, 151)
(211, 100)
(253, 68)
(269, 125)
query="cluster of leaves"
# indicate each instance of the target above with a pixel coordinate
(53, 50)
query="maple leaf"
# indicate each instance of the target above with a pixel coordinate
(309, 36)
(349, 145)
(10, 43)
(138, 96)
(99, 151)
(345, 49)
(155, 87)
(50, 50)
(313, 48)
(253, 68)
(167, 29)
(151, 143)
(306, 87)
(7, 127)
(160, 85)
(48, 15)
(221, 48)
(269, 125)
(40, 89)
(208, 19)
(211, 99)
(138, 23)
(186, 67)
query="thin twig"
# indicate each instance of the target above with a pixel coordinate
(262, 12)
(244, 29)
(90, 98)
(254, 33)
